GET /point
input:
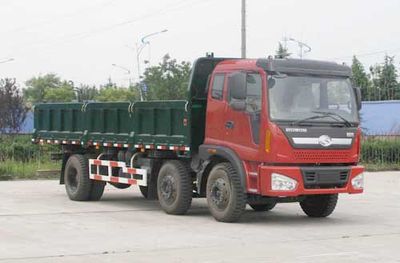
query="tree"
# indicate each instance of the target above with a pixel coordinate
(282, 52)
(48, 88)
(168, 80)
(117, 94)
(12, 108)
(360, 79)
(86, 93)
(64, 93)
(388, 79)
(384, 80)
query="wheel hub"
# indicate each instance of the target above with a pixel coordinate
(168, 188)
(220, 193)
(73, 179)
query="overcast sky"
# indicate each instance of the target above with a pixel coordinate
(80, 40)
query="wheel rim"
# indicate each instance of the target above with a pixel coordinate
(168, 189)
(220, 193)
(72, 179)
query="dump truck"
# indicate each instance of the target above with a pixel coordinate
(251, 131)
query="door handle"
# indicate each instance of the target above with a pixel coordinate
(229, 124)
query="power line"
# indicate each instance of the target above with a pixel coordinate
(366, 54)
(67, 15)
(78, 36)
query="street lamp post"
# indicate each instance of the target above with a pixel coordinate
(121, 67)
(6, 60)
(139, 48)
(128, 72)
(302, 45)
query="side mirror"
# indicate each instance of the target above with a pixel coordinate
(237, 86)
(357, 92)
(239, 105)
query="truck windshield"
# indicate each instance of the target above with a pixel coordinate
(307, 99)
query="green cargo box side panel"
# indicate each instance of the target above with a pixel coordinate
(151, 123)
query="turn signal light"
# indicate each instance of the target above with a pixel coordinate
(268, 141)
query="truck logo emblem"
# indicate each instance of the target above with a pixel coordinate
(325, 140)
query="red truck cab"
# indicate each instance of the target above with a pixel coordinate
(290, 127)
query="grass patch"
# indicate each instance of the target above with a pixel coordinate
(20, 159)
(16, 170)
(377, 167)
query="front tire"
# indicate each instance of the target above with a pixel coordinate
(78, 185)
(262, 207)
(174, 188)
(319, 205)
(225, 196)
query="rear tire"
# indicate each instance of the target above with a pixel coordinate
(225, 195)
(144, 190)
(319, 205)
(97, 190)
(263, 207)
(120, 186)
(78, 185)
(174, 187)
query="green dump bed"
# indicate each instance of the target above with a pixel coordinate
(151, 125)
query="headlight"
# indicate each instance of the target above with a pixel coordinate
(281, 182)
(358, 181)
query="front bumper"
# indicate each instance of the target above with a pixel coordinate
(295, 173)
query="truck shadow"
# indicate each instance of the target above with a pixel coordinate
(279, 216)
(130, 202)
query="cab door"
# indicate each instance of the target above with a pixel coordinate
(216, 105)
(242, 123)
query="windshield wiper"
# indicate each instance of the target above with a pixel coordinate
(335, 115)
(312, 118)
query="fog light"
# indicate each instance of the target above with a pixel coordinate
(358, 181)
(281, 182)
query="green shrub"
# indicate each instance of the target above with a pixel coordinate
(379, 151)
(20, 148)
(20, 158)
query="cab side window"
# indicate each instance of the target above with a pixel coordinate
(218, 86)
(253, 93)
(253, 98)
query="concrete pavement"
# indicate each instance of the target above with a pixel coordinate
(38, 223)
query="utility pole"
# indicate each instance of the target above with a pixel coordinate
(243, 28)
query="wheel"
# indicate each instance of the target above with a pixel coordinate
(78, 185)
(262, 207)
(97, 186)
(120, 186)
(319, 205)
(144, 190)
(225, 196)
(118, 171)
(174, 187)
(97, 190)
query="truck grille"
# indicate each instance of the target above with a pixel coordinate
(320, 156)
(325, 177)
